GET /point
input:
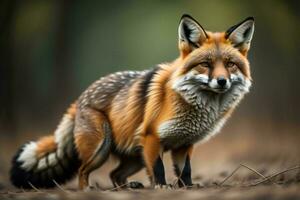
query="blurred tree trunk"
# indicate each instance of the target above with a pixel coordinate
(63, 75)
(7, 110)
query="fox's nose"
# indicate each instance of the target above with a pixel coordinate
(221, 81)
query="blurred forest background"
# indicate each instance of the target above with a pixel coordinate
(51, 50)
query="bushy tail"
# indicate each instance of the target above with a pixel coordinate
(48, 161)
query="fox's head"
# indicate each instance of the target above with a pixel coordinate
(215, 62)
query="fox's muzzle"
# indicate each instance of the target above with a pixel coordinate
(222, 81)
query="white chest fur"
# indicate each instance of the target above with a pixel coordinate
(201, 120)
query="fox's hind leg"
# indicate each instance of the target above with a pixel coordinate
(93, 141)
(128, 166)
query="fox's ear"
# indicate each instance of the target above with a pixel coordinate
(240, 35)
(191, 34)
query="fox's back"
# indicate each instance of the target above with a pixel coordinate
(101, 93)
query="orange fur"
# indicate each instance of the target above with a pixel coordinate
(87, 142)
(190, 151)
(151, 149)
(157, 105)
(126, 117)
(72, 110)
(45, 145)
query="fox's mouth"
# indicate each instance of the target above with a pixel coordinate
(221, 90)
(218, 90)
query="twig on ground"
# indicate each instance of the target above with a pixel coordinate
(274, 175)
(255, 171)
(60, 187)
(23, 189)
(230, 175)
(247, 167)
(184, 186)
(176, 182)
(33, 187)
(118, 187)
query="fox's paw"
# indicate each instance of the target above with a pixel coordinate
(163, 187)
(135, 185)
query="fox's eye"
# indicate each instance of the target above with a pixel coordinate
(230, 64)
(205, 64)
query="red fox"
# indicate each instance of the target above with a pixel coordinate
(138, 115)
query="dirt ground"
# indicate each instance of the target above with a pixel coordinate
(269, 161)
(260, 192)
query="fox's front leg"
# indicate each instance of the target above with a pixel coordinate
(182, 166)
(153, 162)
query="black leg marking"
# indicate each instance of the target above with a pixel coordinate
(159, 172)
(127, 167)
(185, 175)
